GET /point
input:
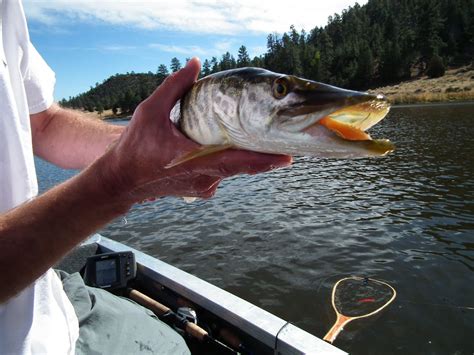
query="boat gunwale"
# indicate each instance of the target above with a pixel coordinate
(274, 332)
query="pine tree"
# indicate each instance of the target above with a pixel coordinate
(430, 24)
(381, 42)
(214, 65)
(258, 62)
(227, 62)
(390, 67)
(243, 59)
(162, 72)
(206, 68)
(175, 64)
(326, 50)
(100, 109)
(365, 68)
(435, 67)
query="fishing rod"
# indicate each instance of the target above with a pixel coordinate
(176, 320)
(123, 265)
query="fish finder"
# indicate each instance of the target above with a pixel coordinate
(110, 271)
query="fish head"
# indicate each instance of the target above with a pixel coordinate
(296, 116)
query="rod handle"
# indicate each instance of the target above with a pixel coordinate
(148, 302)
(160, 309)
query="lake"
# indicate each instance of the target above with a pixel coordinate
(282, 239)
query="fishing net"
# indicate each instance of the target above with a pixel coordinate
(359, 297)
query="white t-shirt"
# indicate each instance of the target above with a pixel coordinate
(41, 319)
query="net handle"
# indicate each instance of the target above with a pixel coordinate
(338, 326)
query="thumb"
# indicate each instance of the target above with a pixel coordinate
(175, 85)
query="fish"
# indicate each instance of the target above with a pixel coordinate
(366, 300)
(260, 110)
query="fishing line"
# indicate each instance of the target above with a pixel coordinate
(338, 275)
(275, 348)
(325, 279)
(469, 308)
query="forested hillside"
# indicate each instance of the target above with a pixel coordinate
(382, 42)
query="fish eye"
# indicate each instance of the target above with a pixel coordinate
(280, 89)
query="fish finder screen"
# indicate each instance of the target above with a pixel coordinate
(106, 272)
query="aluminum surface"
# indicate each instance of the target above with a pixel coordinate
(253, 320)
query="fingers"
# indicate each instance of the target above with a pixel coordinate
(180, 185)
(233, 162)
(175, 86)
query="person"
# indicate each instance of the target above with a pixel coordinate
(120, 167)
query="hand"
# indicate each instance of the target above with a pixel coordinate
(137, 163)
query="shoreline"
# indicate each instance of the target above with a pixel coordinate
(457, 85)
(107, 115)
(440, 103)
(95, 115)
(427, 99)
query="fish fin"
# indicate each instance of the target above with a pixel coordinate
(197, 153)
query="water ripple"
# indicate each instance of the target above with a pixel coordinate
(282, 239)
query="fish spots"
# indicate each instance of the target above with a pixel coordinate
(225, 106)
(201, 107)
(144, 347)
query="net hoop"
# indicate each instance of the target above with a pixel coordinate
(358, 278)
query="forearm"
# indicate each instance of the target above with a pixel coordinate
(70, 140)
(37, 234)
(34, 236)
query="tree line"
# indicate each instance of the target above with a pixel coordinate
(382, 42)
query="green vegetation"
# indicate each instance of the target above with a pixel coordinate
(436, 67)
(382, 42)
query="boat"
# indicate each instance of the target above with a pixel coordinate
(230, 324)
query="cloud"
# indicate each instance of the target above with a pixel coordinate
(224, 17)
(185, 50)
(217, 49)
(119, 48)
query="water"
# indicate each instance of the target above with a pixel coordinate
(282, 239)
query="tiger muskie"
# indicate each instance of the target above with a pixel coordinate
(259, 110)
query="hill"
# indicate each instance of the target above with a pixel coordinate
(456, 85)
(382, 43)
(120, 93)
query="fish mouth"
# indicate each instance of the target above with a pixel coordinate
(336, 118)
(350, 123)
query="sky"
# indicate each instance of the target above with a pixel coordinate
(85, 41)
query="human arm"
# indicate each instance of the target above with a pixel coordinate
(35, 235)
(68, 139)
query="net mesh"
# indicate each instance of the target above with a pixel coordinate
(356, 297)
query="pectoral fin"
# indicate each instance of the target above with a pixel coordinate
(199, 152)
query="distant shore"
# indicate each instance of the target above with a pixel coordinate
(456, 85)
(105, 115)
